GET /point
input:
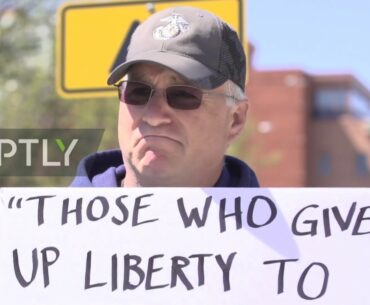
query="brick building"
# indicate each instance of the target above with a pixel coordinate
(308, 130)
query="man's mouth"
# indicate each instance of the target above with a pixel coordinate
(158, 138)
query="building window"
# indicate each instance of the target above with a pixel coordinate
(361, 165)
(330, 102)
(325, 164)
(359, 104)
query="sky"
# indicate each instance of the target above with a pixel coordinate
(317, 36)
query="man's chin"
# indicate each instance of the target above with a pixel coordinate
(154, 164)
(152, 159)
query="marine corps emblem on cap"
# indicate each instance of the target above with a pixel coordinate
(175, 27)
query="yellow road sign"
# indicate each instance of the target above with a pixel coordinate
(92, 38)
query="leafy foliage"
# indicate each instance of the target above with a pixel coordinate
(27, 92)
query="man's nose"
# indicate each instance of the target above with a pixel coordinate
(157, 111)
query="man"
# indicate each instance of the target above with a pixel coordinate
(181, 89)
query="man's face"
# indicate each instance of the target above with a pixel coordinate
(163, 146)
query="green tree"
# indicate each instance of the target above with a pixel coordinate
(28, 97)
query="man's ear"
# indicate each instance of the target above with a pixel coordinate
(238, 119)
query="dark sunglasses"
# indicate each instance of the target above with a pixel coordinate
(178, 96)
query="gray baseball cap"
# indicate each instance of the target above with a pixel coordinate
(194, 43)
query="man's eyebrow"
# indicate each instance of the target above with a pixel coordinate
(135, 75)
(178, 79)
(143, 77)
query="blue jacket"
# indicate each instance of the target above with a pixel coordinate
(106, 169)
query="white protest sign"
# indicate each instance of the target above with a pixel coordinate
(157, 246)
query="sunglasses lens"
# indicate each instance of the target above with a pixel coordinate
(135, 93)
(179, 97)
(184, 97)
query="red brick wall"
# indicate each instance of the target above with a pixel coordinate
(279, 113)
